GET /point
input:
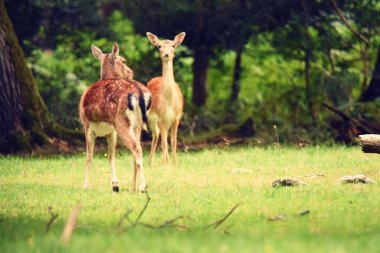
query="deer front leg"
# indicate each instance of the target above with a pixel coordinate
(174, 140)
(155, 135)
(164, 144)
(90, 141)
(111, 139)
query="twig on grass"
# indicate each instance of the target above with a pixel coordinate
(166, 224)
(70, 224)
(217, 223)
(54, 216)
(132, 223)
(142, 210)
(124, 217)
(135, 223)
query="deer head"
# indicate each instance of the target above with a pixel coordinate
(166, 47)
(112, 65)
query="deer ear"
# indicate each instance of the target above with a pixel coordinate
(179, 38)
(96, 52)
(153, 39)
(115, 49)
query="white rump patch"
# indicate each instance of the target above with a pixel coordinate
(102, 128)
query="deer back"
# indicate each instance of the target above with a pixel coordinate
(106, 99)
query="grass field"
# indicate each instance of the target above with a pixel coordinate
(204, 187)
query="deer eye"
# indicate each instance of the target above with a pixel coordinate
(159, 46)
(173, 46)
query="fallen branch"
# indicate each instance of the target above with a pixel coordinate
(70, 224)
(217, 223)
(124, 217)
(364, 126)
(54, 216)
(142, 210)
(132, 223)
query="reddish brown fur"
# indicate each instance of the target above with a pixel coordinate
(167, 102)
(103, 100)
(105, 110)
(155, 86)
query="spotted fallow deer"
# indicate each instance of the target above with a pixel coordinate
(115, 106)
(167, 101)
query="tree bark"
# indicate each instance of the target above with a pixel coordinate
(373, 90)
(237, 73)
(370, 143)
(307, 60)
(24, 117)
(200, 68)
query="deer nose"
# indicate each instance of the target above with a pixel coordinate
(166, 55)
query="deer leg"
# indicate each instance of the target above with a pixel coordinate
(90, 141)
(164, 144)
(174, 140)
(111, 139)
(132, 142)
(155, 135)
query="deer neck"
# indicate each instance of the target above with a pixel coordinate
(107, 73)
(168, 75)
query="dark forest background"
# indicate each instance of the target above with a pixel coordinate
(311, 68)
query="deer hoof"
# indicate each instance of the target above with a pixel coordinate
(143, 189)
(115, 188)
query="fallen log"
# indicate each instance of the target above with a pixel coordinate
(370, 143)
(361, 124)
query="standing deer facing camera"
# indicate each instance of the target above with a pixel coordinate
(115, 106)
(167, 101)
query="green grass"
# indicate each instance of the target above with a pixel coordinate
(204, 187)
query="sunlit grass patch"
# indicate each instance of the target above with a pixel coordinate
(203, 188)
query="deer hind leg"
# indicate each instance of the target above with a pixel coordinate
(111, 139)
(90, 141)
(155, 136)
(132, 142)
(164, 144)
(174, 140)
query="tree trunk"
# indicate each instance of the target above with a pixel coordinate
(373, 90)
(200, 67)
(365, 71)
(24, 118)
(237, 72)
(307, 60)
(370, 143)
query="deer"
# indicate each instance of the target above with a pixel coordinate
(167, 99)
(116, 105)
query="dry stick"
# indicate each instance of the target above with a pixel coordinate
(169, 223)
(143, 210)
(124, 217)
(70, 224)
(136, 222)
(52, 219)
(344, 19)
(219, 222)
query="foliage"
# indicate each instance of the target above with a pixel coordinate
(204, 187)
(275, 38)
